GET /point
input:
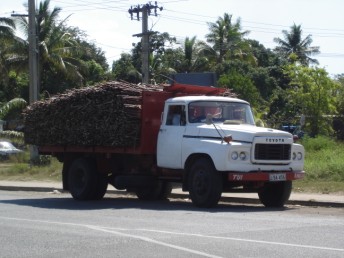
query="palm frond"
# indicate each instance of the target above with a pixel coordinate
(16, 103)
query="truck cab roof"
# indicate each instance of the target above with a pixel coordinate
(188, 99)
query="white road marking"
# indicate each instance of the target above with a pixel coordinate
(116, 231)
(246, 240)
(150, 240)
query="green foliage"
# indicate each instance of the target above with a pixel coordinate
(19, 168)
(66, 59)
(95, 72)
(324, 159)
(241, 85)
(123, 69)
(338, 123)
(318, 143)
(22, 170)
(314, 92)
(294, 48)
(226, 40)
(41, 160)
(13, 104)
(17, 138)
(282, 109)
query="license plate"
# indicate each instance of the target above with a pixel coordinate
(278, 177)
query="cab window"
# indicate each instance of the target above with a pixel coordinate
(176, 115)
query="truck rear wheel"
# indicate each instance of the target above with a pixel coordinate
(205, 184)
(101, 187)
(159, 192)
(275, 194)
(84, 181)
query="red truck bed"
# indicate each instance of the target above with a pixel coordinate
(152, 108)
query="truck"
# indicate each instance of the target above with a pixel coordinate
(193, 138)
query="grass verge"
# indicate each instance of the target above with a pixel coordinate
(23, 171)
(324, 166)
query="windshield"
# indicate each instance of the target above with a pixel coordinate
(225, 112)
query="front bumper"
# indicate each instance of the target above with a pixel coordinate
(266, 176)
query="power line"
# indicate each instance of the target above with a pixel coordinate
(253, 22)
(266, 28)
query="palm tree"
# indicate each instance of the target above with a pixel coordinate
(7, 28)
(7, 36)
(294, 48)
(58, 50)
(193, 61)
(14, 104)
(226, 39)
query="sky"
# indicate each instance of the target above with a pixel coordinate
(108, 24)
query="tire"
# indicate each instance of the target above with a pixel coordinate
(205, 184)
(84, 182)
(159, 192)
(101, 187)
(275, 194)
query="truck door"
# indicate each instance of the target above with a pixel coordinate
(170, 137)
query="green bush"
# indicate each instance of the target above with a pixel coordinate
(41, 160)
(324, 159)
(318, 143)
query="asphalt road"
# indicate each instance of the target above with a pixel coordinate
(36, 224)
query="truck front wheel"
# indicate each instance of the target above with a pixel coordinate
(275, 194)
(205, 184)
(84, 182)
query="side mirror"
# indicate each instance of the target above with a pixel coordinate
(209, 119)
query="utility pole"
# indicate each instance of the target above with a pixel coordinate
(33, 53)
(33, 62)
(146, 11)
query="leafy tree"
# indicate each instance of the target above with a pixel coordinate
(158, 42)
(295, 48)
(338, 123)
(170, 62)
(263, 81)
(88, 51)
(123, 69)
(314, 92)
(241, 85)
(95, 72)
(283, 109)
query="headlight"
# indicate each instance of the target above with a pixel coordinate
(297, 156)
(242, 155)
(234, 155)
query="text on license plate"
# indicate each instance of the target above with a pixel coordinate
(278, 177)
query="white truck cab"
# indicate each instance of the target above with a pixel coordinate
(221, 132)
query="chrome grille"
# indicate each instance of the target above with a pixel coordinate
(272, 151)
